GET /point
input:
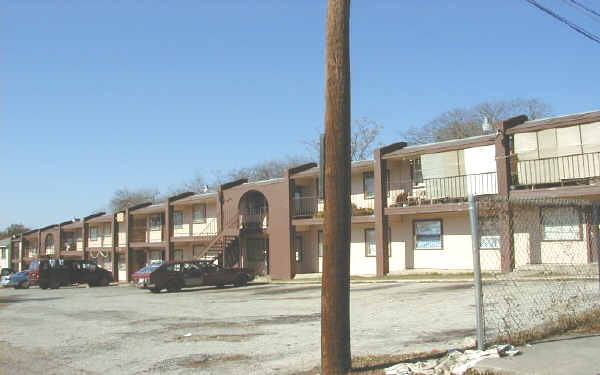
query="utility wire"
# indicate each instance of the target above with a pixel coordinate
(579, 29)
(590, 13)
(586, 8)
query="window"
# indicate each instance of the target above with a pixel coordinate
(298, 248)
(155, 222)
(370, 243)
(93, 233)
(49, 244)
(3, 253)
(320, 242)
(178, 219)
(489, 236)
(107, 229)
(178, 254)
(561, 223)
(428, 234)
(199, 213)
(416, 172)
(69, 241)
(369, 185)
(196, 251)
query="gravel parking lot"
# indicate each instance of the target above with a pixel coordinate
(261, 328)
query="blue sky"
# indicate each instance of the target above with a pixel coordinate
(99, 95)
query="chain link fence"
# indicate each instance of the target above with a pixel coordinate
(538, 261)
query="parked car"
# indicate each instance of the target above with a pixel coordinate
(140, 278)
(4, 279)
(34, 272)
(185, 274)
(55, 273)
(19, 280)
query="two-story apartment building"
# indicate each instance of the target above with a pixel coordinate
(409, 210)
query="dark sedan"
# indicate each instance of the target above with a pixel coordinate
(187, 274)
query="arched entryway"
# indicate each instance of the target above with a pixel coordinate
(254, 237)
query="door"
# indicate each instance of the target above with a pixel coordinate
(257, 253)
(122, 266)
(140, 260)
(193, 274)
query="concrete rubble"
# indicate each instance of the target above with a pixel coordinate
(454, 363)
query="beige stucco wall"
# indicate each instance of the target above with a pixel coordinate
(210, 227)
(456, 242)
(357, 195)
(122, 234)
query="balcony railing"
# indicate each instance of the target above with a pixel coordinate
(307, 207)
(571, 169)
(441, 190)
(207, 228)
(254, 218)
(144, 234)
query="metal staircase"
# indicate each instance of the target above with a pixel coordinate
(222, 244)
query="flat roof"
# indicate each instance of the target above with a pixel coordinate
(556, 122)
(101, 218)
(153, 208)
(198, 197)
(449, 145)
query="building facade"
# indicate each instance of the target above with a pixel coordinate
(409, 210)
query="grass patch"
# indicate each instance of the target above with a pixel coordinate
(586, 322)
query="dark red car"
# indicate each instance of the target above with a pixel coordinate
(187, 274)
(141, 277)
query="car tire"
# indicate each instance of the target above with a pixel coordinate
(241, 281)
(24, 285)
(103, 282)
(155, 290)
(173, 286)
(43, 286)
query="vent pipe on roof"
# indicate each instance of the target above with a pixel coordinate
(205, 189)
(485, 126)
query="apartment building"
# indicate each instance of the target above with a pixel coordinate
(409, 210)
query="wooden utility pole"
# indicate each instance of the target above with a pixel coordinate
(335, 296)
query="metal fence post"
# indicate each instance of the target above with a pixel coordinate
(473, 215)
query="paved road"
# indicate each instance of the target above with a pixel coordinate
(261, 328)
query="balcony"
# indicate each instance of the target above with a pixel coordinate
(254, 218)
(148, 235)
(453, 189)
(197, 230)
(314, 207)
(580, 169)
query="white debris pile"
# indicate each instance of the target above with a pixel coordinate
(454, 363)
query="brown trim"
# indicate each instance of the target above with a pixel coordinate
(367, 244)
(138, 206)
(441, 233)
(231, 184)
(180, 196)
(301, 168)
(86, 218)
(381, 219)
(392, 147)
(427, 209)
(555, 122)
(434, 148)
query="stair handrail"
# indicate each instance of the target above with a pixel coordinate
(232, 222)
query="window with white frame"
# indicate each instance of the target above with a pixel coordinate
(178, 219)
(561, 223)
(178, 254)
(489, 236)
(199, 213)
(155, 222)
(370, 243)
(3, 253)
(107, 229)
(428, 234)
(369, 185)
(93, 233)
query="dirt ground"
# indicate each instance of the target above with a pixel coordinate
(261, 328)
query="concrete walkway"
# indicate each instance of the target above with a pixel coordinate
(573, 355)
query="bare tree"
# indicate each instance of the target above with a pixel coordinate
(466, 122)
(12, 230)
(262, 171)
(124, 198)
(363, 139)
